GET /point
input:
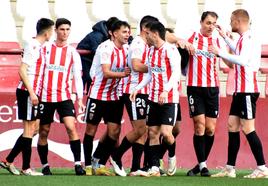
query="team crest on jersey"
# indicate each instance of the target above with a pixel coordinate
(141, 111)
(91, 115)
(192, 108)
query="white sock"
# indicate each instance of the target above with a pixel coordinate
(262, 167)
(45, 165)
(202, 165)
(229, 167)
(77, 163)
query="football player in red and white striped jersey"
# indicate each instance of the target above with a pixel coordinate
(163, 75)
(63, 64)
(28, 91)
(109, 67)
(137, 57)
(246, 62)
(203, 90)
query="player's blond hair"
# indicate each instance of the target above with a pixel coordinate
(241, 14)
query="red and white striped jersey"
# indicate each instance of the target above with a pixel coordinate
(138, 50)
(164, 69)
(246, 76)
(33, 56)
(202, 71)
(106, 89)
(62, 65)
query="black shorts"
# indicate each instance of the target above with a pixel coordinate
(203, 100)
(165, 114)
(244, 105)
(136, 110)
(109, 111)
(179, 112)
(26, 111)
(47, 111)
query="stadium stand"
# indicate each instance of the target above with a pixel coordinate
(101, 9)
(259, 14)
(8, 30)
(187, 17)
(149, 7)
(76, 12)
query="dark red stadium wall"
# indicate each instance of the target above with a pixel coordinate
(185, 152)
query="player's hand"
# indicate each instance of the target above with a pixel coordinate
(190, 48)
(133, 95)
(81, 106)
(34, 99)
(221, 31)
(127, 71)
(213, 49)
(163, 98)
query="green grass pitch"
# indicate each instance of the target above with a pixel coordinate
(66, 177)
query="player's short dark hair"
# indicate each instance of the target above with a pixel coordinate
(110, 22)
(158, 27)
(43, 24)
(207, 13)
(62, 21)
(118, 24)
(170, 30)
(147, 19)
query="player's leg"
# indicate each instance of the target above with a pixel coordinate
(137, 113)
(137, 150)
(248, 127)
(67, 116)
(212, 110)
(171, 148)
(169, 118)
(28, 133)
(233, 139)
(154, 130)
(93, 117)
(196, 100)
(47, 111)
(112, 116)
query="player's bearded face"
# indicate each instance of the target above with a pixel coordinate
(149, 37)
(234, 24)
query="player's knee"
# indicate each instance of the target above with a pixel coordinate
(140, 131)
(176, 131)
(210, 131)
(199, 129)
(168, 137)
(114, 134)
(43, 132)
(91, 130)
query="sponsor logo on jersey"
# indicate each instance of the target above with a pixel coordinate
(158, 69)
(118, 69)
(204, 53)
(52, 67)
